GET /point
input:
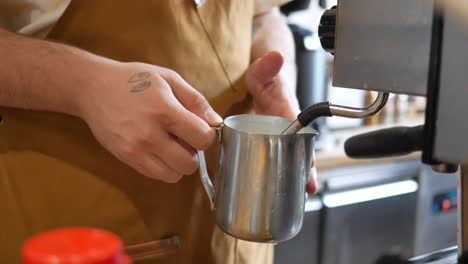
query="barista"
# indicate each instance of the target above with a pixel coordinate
(121, 90)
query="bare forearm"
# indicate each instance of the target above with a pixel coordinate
(271, 32)
(130, 108)
(43, 75)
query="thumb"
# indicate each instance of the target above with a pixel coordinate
(263, 71)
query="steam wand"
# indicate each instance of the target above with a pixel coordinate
(315, 111)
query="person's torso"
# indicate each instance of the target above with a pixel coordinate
(54, 173)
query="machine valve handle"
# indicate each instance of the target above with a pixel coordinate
(388, 142)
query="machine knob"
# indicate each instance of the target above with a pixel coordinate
(326, 30)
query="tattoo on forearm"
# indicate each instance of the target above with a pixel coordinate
(256, 25)
(139, 82)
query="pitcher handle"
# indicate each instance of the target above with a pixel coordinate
(205, 178)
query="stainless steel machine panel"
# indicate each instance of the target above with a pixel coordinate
(383, 45)
(358, 232)
(436, 219)
(369, 211)
(304, 247)
(451, 124)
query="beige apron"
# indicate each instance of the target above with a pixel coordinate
(53, 173)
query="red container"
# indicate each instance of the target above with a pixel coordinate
(75, 246)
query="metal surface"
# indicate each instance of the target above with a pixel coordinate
(462, 223)
(293, 128)
(451, 128)
(369, 218)
(445, 168)
(305, 247)
(357, 112)
(361, 232)
(259, 194)
(434, 230)
(205, 178)
(383, 45)
(433, 87)
(344, 111)
(386, 46)
(444, 256)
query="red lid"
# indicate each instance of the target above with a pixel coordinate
(446, 204)
(74, 246)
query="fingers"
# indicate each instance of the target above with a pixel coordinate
(156, 154)
(184, 117)
(179, 158)
(191, 115)
(191, 99)
(311, 186)
(153, 167)
(264, 71)
(191, 129)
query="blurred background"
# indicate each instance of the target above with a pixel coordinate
(365, 209)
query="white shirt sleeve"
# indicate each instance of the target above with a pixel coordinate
(31, 17)
(37, 17)
(262, 6)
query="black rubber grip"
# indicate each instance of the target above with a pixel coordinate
(313, 112)
(389, 142)
(328, 44)
(329, 17)
(326, 30)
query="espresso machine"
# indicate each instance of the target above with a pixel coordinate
(411, 47)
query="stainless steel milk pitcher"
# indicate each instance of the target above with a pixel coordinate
(260, 190)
